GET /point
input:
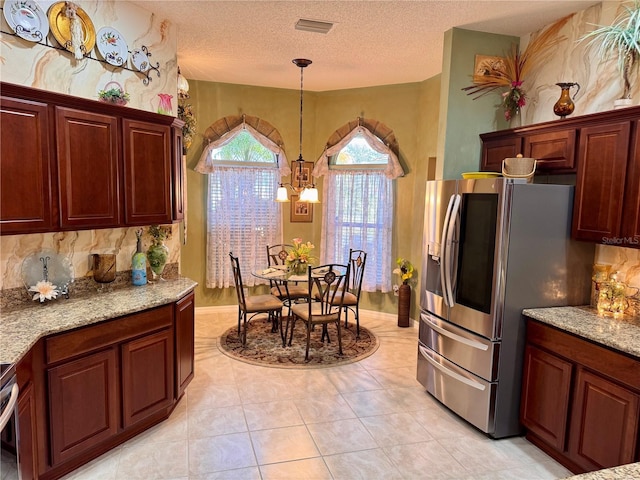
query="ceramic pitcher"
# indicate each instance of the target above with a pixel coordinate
(565, 106)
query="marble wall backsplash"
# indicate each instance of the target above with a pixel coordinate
(77, 246)
(38, 66)
(574, 61)
(623, 260)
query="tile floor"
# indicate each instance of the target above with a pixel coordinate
(367, 420)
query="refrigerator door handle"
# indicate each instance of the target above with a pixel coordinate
(443, 253)
(450, 251)
(455, 336)
(448, 372)
(12, 393)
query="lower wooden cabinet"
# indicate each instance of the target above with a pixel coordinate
(83, 403)
(580, 401)
(87, 390)
(147, 376)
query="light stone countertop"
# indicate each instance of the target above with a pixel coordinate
(20, 329)
(622, 334)
(623, 472)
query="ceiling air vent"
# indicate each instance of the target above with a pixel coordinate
(313, 26)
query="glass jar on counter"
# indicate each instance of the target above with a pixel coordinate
(612, 300)
(600, 274)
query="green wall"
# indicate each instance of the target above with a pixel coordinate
(410, 110)
(464, 119)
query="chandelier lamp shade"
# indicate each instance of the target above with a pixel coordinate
(183, 86)
(307, 192)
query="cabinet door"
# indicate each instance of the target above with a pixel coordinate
(147, 376)
(147, 173)
(546, 385)
(184, 343)
(27, 195)
(89, 166)
(604, 424)
(553, 151)
(179, 175)
(602, 164)
(631, 216)
(83, 404)
(27, 423)
(494, 151)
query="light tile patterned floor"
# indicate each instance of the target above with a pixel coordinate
(368, 420)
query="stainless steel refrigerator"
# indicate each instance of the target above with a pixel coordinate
(491, 248)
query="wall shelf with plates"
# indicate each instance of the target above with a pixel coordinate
(139, 56)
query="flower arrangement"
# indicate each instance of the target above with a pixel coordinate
(159, 233)
(114, 95)
(621, 39)
(44, 290)
(405, 270)
(185, 113)
(299, 256)
(518, 65)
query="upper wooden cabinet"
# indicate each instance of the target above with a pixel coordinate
(27, 189)
(70, 163)
(603, 150)
(88, 169)
(602, 157)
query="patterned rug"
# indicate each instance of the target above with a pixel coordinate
(265, 348)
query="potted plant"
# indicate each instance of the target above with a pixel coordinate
(115, 94)
(405, 270)
(622, 40)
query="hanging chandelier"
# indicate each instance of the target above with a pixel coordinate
(302, 185)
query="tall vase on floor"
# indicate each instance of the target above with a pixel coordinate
(405, 270)
(404, 304)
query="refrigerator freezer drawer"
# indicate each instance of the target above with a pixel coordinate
(472, 352)
(469, 396)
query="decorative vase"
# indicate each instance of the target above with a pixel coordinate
(139, 263)
(299, 268)
(516, 119)
(158, 254)
(565, 106)
(622, 103)
(165, 107)
(404, 304)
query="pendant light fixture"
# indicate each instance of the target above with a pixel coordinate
(307, 191)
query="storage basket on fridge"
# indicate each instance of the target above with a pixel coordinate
(519, 167)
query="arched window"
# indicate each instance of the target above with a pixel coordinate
(243, 168)
(358, 198)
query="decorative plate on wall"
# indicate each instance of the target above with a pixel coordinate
(61, 27)
(112, 46)
(27, 19)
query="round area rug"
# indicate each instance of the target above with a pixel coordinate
(265, 348)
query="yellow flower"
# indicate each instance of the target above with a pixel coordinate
(405, 269)
(44, 291)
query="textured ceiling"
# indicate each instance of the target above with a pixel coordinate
(371, 43)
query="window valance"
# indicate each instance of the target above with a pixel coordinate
(217, 139)
(383, 142)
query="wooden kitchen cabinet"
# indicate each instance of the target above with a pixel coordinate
(27, 191)
(88, 169)
(147, 376)
(495, 150)
(553, 151)
(580, 401)
(69, 163)
(604, 424)
(147, 173)
(83, 403)
(631, 207)
(600, 183)
(27, 424)
(185, 361)
(545, 395)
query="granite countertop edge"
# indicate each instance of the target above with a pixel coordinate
(21, 329)
(622, 472)
(621, 334)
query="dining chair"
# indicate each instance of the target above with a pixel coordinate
(328, 284)
(351, 300)
(286, 291)
(252, 305)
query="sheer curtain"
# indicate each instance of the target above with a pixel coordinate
(242, 217)
(358, 213)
